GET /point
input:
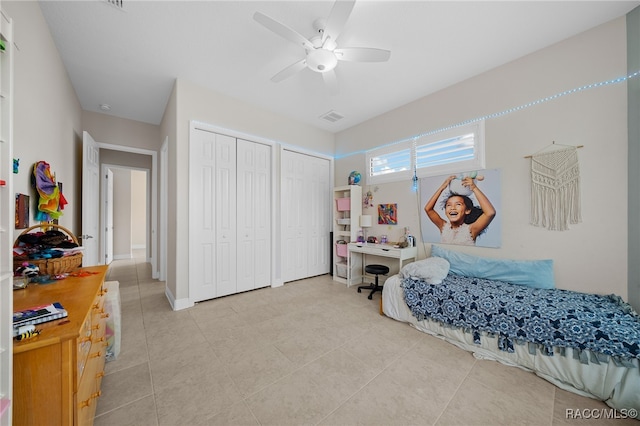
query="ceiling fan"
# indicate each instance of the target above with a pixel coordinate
(321, 51)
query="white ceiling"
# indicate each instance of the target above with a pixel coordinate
(129, 59)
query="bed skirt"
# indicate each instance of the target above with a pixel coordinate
(617, 386)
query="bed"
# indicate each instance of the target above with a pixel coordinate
(509, 311)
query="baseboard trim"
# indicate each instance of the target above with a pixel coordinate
(179, 304)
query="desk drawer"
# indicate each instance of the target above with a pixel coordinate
(378, 251)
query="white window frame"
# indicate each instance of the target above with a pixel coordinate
(477, 163)
(393, 176)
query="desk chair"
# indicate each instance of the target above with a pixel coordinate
(376, 270)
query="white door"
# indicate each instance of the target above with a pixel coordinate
(108, 217)
(225, 216)
(212, 215)
(294, 209)
(90, 194)
(246, 260)
(318, 175)
(306, 213)
(262, 215)
(202, 226)
(254, 215)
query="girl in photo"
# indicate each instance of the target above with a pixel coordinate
(464, 221)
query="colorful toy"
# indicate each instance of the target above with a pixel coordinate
(368, 199)
(456, 187)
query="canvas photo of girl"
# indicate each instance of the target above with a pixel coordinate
(462, 209)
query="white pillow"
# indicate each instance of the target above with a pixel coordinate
(432, 270)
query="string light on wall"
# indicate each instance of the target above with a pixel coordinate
(506, 112)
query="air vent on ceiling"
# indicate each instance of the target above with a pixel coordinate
(119, 4)
(332, 116)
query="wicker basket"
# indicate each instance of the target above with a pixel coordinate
(55, 266)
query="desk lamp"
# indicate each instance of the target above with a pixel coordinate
(365, 222)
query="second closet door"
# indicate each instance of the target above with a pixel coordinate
(253, 215)
(224, 211)
(305, 215)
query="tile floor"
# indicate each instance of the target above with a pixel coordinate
(309, 353)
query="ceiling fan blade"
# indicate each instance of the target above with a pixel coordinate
(331, 81)
(283, 31)
(290, 70)
(362, 54)
(337, 19)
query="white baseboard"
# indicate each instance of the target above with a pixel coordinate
(177, 305)
(122, 256)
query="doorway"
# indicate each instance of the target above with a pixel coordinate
(123, 157)
(125, 212)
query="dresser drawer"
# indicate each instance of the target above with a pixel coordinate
(92, 333)
(97, 308)
(91, 377)
(89, 389)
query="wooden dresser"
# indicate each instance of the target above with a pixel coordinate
(57, 374)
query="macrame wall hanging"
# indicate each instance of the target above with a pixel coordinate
(555, 187)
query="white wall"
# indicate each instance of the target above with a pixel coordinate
(591, 256)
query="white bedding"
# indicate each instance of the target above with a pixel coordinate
(618, 387)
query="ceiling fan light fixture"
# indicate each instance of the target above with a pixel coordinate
(321, 60)
(321, 51)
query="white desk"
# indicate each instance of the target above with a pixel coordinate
(357, 252)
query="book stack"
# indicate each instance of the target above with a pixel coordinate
(37, 315)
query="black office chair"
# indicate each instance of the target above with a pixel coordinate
(376, 270)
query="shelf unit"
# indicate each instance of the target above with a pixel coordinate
(347, 208)
(7, 206)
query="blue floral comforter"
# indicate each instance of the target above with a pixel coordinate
(543, 318)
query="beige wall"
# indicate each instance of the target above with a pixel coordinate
(121, 131)
(193, 102)
(122, 213)
(47, 113)
(139, 216)
(168, 131)
(633, 92)
(591, 256)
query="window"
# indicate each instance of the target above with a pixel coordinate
(390, 164)
(451, 151)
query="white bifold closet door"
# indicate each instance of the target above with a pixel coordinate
(306, 215)
(253, 215)
(229, 215)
